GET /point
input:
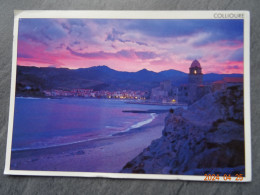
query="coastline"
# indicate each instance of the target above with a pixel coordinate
(108, 154)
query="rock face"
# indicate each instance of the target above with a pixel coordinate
(206, 138)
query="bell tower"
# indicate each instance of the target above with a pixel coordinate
(195, 74)
(195, 80)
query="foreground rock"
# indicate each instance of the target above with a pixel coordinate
(206, 138)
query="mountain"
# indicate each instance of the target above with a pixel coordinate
(211, 77)
(99, 78)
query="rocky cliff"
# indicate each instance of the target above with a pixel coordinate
(208, 137)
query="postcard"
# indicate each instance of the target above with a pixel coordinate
(131, 94)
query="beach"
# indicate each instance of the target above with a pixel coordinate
(107, 154)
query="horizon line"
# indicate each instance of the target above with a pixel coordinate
(122, 71)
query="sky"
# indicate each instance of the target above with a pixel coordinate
(132, 44)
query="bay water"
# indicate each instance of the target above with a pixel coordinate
(43, 123)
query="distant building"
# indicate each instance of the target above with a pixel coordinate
(165, 93)
(183, 93)
(218, 85)
(166, 86)
(233, 81)
(227, 82)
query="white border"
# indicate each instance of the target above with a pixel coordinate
(131, 15)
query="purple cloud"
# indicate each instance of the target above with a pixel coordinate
(146, 55)
(22, 55)
(141, 43)
(76, 22)
(233, 67)
(116, 36)
(125, 54)
(237, 56)
(33, 38)
(193, 57)
(228, 30)
(40, 30)
(129, 54)
(102, 54)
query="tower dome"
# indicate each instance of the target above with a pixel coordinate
(195, 63)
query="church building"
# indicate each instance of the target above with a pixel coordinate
(195, 89)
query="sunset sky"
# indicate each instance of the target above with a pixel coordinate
(132, 45)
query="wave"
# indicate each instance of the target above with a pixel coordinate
(142, 123)
(112, 127)
(54, 145)
(29, 98)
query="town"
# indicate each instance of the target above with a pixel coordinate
(90, 93)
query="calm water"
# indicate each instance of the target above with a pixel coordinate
(40, 123)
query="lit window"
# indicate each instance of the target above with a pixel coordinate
(195, 71)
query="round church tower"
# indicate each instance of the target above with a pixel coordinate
(195, 75)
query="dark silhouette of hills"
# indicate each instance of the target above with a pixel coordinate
(100, 78)
(211, 77)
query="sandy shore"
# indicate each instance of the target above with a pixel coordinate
(103, 155)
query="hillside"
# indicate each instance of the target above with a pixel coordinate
(199, 140)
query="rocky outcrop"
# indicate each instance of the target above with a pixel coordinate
(208, 137)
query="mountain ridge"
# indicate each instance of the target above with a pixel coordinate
(102, 78)
(108, 68)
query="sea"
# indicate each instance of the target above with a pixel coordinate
(43, 123)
